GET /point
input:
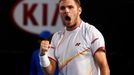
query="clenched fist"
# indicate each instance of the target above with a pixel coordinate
(44, 47)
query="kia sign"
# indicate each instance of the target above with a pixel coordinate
(35, 16)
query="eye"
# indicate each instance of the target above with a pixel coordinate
(62, 8)
(70, 7)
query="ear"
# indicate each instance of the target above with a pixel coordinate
(80, 10)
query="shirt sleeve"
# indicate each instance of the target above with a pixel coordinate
(51, 51)
(97, 39)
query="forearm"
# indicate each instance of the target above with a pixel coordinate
(48, 70)
(105, 70)
(47, 64)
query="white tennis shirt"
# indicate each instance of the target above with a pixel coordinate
(74, 50)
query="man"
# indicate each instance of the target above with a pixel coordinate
(79, 49)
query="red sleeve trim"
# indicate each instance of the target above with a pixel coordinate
(52, 58)
(100, 49)
(52, 47)
(94, 40)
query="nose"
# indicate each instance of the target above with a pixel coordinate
(66, 10)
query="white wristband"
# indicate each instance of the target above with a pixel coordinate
(44, 61)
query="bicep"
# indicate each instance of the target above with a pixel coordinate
(100, 57)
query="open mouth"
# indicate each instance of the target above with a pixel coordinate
(67, 18)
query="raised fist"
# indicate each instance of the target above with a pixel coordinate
(44, 47)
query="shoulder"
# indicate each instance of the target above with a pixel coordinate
(58, 34)
(91, 30)
(89, 27)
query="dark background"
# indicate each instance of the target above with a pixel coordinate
(114, 18)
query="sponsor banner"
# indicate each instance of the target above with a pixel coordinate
(36, 16)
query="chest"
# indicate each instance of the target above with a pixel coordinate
(70, 45)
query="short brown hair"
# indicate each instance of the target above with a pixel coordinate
(76, 1)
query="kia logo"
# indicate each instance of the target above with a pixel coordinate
(35, 16)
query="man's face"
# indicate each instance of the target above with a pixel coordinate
(70, 12)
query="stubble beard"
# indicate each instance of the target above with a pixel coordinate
(73, 25)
